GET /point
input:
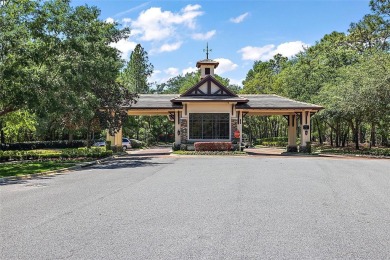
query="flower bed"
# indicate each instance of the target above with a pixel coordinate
(213, 146)
(210, 153)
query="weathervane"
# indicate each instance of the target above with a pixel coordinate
(207, 50)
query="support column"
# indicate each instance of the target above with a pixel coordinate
(239, 126)
(292, 134)
(116, 139)
(177, 128)
(305, 131)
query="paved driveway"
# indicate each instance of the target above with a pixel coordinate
(170, 207)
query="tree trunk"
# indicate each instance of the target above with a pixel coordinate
(70, 138)
(337, 132)
(355, 130)
(331, 137)
(319, 131)
(373, 140)
(2, 136)
(345, 136)
(88, 137)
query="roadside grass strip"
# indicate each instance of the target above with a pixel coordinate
(27, 168)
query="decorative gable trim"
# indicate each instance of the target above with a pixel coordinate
(196, 91)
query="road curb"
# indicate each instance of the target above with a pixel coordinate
(54, 172)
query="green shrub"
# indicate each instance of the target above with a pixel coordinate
(350, 150)
(60, 144)
(136, 143)
(213, 146)
(94, 152)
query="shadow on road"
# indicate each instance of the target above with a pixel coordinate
(25, 180)
(124, 161)
(127, 161)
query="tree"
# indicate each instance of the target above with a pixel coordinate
(18, 126)
(261, 78)
(361, 93)
(56, 60)
(135, 76)
(381, 7)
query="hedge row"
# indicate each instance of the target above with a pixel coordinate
(364, 151)
(43, 145)
(213, 146)
(96, 152)
(264, 141)
(274, 143)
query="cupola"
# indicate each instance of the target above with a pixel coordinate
(207, 66)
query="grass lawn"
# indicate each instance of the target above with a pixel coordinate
(25, 168)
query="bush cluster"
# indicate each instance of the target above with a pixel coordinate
(213, 146)
(275, 141)
(95, 152)
(62, 144)
(363, 151)
(136, 143)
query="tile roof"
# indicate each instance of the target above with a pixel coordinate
(172, 101)
(274, 102)
(155, 101)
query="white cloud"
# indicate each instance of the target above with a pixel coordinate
(203, 36)
(289, 49)
(255, 53)
(167, 47)
(190, 8)
(110, 20)
(236, 81)
(172, 71)
(125, 47)
(189, 70)
(154, 24)
(267, 52)
(126, 21)
(225, 65)
(155, 76)
(239, 19)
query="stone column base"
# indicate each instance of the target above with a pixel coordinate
(292, 148)
(306, 148)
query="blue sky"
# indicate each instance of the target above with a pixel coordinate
(175, 32)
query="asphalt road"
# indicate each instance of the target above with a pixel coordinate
(168, 207)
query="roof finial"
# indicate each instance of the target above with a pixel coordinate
(207, 50)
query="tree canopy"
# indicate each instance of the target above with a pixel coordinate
(56, 60)
(135, 75)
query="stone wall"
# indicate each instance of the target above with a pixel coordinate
(183, 130)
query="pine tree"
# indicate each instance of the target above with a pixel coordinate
(137, 71)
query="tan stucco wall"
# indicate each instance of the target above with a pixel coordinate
(209, 107)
